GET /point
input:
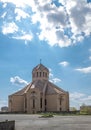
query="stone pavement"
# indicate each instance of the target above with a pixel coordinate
(33, 122)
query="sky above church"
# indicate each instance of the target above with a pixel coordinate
(56, 31)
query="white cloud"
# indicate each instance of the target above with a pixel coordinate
(79, 98)
(4, 5)
(90, 50)
(18, 81)
(9, 28)
(4, 14)
(76, 96)
(55, 80)
(18, 3)
(26, 37)
(58, 21)
(79, 17)
(64, 63)
(61, 26)
(20, 14)
(89, 57)
(50, 73)
(84, 70)
(52, 78)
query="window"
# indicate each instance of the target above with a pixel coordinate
(25, 102)
(33, 103)
(41, 103)
(45, 102)
(43, 74)
(60, 109)
(37, 74)
(40, 74)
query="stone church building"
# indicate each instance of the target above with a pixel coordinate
(40, 95)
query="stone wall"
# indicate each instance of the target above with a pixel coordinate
(7, 125)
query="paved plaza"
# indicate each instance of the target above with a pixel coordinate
(34, 122)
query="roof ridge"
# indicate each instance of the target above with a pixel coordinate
(28, 86)
(40, 65)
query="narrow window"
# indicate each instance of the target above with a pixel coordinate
(37, 74)
(45, 102)
(60, 109)
(25, 102)
(43, 74)
(33, 103)
(41, 103)
(40, 74)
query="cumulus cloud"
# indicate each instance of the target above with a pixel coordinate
(55, 80)
(3, 15)
(18, 81)
(62, 25)
(64, 63)
(9, 28)
(89, 57)
(84, 70)
(20, 14)
(24, 36)
(79, 98)
(76, 95)
(52, 78)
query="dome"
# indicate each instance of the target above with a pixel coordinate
(40, 72)
(40, 67)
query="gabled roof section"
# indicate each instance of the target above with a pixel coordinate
(22, 91)
(44, 86)
(40, 67)
(53, 89)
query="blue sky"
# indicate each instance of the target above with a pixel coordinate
(59, 33)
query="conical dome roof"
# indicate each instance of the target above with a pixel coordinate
(40, 67)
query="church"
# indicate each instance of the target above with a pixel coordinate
(40, 95)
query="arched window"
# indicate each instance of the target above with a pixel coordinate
(37, 74)
(33, 103)
(60, 109)
(43, 74)
(25, 102)
(40, 74)
(40, 102)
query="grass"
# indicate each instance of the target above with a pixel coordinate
(47, 115)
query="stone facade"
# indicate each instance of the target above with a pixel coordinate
(40, 95)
